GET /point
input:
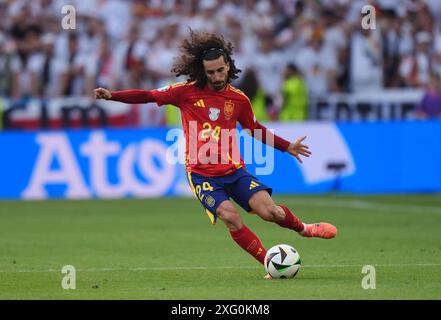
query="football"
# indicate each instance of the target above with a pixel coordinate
(282, 261)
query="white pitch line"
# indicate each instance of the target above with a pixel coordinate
(226, 267)
(363, 205)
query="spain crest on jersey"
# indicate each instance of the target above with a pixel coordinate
(228, 110)
(214, 114)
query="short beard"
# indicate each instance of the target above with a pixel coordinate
(219, 86)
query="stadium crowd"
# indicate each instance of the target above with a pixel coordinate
(285, 48)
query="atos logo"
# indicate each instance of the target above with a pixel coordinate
(138, 169)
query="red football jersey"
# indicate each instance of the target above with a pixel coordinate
(209, 120)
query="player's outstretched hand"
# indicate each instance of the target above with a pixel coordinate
(297, 148)
(101, 93)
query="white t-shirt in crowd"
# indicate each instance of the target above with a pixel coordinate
(315, 66)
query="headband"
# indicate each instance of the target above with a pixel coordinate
(212, 51)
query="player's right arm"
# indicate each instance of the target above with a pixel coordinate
(126, 96)
(172, 94)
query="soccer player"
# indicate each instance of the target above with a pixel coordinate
(209, 106)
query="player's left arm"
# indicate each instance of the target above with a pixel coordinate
(260, 132)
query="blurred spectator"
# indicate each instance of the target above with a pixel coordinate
(49, 69)
(250, 86)
(336, 32)
(91, 37)
(204, 18)
(430, 107)
(295, 96)
(415, 67)
(115, 14)
(366, 71)
(132, 52)
(72, 82)
(160, 58)
(319, 65)
(243, 48)
(296, 28)
(130, 43)
(391, 33)
(101, 68)
(26, 64)
(268, 65)
(6, 50)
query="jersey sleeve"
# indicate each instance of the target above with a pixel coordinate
(257, 130)
(246, 117)
(133, 96)
(173, 94)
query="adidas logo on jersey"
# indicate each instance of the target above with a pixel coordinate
(200, 104)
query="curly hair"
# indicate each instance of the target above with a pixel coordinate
(189, 63)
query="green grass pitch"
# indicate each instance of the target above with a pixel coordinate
(167, 249)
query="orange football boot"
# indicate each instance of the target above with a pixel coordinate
(319, 230)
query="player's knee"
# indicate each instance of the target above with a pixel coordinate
(270, 212)
(266, 214)
(230, 217)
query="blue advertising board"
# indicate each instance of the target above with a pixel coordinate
(115, 163)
